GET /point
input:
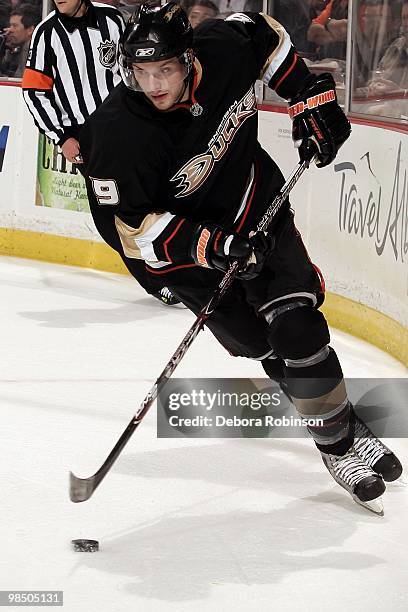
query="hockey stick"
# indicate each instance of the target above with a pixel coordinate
(81, 489)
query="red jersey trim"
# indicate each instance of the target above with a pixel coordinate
(289, 70)
(172, 269)
(167, 241)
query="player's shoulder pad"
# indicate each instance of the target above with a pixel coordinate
(248, 22)
(243, 23)
(232, 30)
(241, 17)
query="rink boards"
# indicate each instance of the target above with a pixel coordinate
(353, 216)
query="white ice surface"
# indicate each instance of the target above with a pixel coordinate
(183, 524)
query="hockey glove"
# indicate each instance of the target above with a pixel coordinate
(213, 247)
(319, 124)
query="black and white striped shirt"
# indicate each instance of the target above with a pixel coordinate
(71, 68)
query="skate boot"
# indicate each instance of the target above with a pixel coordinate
(356, 477)
(167, 297)
(375, 453)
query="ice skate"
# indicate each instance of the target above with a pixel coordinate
(359, 479)
(166, 297)
(375, 454)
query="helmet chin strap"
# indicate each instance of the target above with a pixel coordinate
(186, 84)
(78, 8)
(187, 80)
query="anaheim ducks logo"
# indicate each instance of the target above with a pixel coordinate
(196, 171)
(193, 174)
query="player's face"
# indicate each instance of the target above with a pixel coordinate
(162, 82)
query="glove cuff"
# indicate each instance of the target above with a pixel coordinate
(204, 240)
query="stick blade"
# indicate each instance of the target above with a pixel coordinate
(80, 489)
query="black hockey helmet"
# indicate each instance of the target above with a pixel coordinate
(154, 34)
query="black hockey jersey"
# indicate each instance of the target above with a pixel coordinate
(153, 175)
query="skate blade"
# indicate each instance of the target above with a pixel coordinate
(402, 481)
(375, 505)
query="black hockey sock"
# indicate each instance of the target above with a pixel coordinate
(335, 434)
(317, 388)
(274, 369)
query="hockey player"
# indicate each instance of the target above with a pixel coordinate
(180, 181)
(71, 68)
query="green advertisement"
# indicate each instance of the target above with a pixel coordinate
(59, 184)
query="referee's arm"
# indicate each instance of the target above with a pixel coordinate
(38, 89)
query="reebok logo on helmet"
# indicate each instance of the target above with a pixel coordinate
(144, 52)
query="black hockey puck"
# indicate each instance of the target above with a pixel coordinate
(85, 545)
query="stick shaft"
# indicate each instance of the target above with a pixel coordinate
(82, 488)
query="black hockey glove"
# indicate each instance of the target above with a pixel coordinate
(319, 124)
(213, 247)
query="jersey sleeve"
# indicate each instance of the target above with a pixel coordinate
(38, 86)
(159, 238)
(279, 66)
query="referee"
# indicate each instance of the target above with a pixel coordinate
(71, 68)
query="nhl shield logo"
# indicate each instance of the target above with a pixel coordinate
(196, 109)
(107, 53)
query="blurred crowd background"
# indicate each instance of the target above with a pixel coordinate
(318, 28)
